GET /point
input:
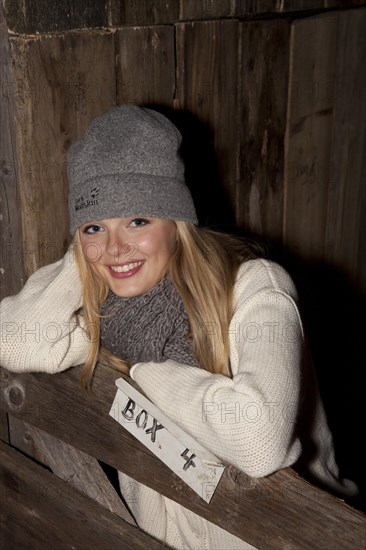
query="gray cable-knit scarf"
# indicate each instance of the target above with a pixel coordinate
(151, 327)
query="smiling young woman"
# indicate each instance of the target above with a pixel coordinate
(192, 315)
(130, 255)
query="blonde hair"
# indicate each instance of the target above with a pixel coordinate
(203, 268)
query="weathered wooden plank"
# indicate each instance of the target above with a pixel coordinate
(361, 272)
(38, 510)
(342, 3)
(58, 90)
(145, 65)
(309, 133)
(11, 249)
(209, 9)
(206, 9)
(280, 511)
(346, 193)
(142, 12)
(284, 6)
(262, 115)
(36, 16)
(11, 262)
(323, 199)
(43, 16)
(4, 427)
(207, 88)
(68, 463)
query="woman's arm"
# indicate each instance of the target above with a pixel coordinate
(249, 419)
(39, 331)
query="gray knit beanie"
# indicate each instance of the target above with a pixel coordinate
(128, 164)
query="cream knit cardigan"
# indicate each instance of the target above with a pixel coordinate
(248, 420)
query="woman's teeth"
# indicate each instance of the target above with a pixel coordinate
(126, 267)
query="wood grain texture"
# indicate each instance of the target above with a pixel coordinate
(37, 16)
(262, 113)
(11, 237)
(58, 90)
(309, 133)
(326, 144)
(347, 183)
(280, 511)
(145, 65)
(4, 427)
(207, 88)
(38, 510)
(209, 9)
(142, 12)
(82, 471)
(11, 248)
(44, 16)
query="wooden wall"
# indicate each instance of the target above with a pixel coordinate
(272, 94)
(271, 98)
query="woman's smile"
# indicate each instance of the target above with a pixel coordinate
(126, 270)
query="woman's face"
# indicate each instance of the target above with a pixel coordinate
(130, 255)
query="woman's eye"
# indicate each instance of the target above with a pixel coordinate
(139, 222)
(91, 229)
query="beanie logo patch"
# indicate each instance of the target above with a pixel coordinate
(84, 202)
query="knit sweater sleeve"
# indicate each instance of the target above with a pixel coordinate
(249, 419)
(39, 328)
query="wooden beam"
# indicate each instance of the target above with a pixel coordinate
(68, 463)
(266, 512)
(38, 510)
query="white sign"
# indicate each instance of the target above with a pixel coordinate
(196, 466)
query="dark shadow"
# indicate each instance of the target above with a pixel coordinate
(112, 476)
(202, 167)
(333, 313)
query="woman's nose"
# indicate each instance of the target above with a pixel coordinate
(118, 247)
